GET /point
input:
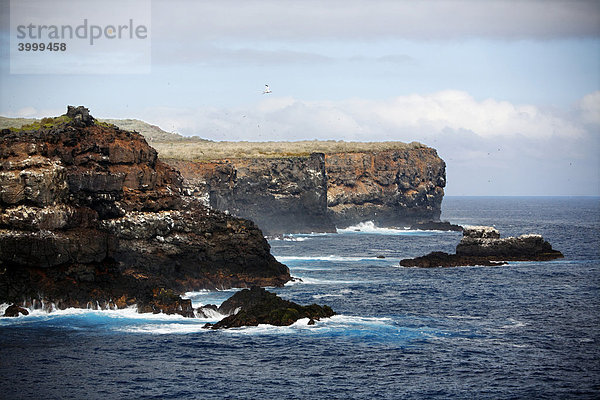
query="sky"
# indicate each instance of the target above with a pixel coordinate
(508, 92)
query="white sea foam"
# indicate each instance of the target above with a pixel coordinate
(125, 313)
(203, 297)
(331, 257)
(212, 315)
(369, 227)
(341, 323)
(313, 281)
(295, 239)
(165, 329)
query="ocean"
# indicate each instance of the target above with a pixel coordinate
(524, 330)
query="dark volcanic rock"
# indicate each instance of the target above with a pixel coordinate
(316, 193)
(440, 259)
(391, 188)
(257, 306)
(485, 242)
(89, 216)
(482, 245)
(437, 226)
(281, 195)
(15, 311)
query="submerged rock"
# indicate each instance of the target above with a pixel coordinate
(90, 216)
(482, 245)
(254, 306)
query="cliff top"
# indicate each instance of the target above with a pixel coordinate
(178, 147)
(206, 151)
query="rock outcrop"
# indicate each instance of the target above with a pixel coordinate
(482, 245)
(391, 188)
(484, 241)
(281, 195)
(254, 306)
(90, 217)
(317, 193)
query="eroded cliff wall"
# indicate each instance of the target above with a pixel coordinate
(392, 188)
(317, 193)
(281, 195)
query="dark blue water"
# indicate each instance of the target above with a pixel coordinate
(526, 330)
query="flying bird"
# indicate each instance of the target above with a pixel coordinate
(267, 89)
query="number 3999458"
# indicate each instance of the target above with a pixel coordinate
(50, 46)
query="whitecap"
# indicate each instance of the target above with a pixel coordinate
(369, 227)
(331, 257)
(164, 329)
(314, 281)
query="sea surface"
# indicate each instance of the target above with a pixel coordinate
(525, 330)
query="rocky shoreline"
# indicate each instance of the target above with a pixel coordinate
(90, 217)
(482, 245)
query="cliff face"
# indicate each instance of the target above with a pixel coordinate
(317, 193)
(391, 188)
(89, 215)
(281, 195)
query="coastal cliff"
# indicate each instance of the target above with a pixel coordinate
(318, 192)
(305, 186)
(391, 188)
(281, 195)
(90, 217)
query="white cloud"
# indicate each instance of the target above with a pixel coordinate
(590, 108)
(419, 116)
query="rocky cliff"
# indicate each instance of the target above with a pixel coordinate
(394, 187)
(281, 195)
(391, 188)
(89, 216)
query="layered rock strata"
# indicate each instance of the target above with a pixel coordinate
(391, 188)
(482, 245)
(317, 193)
(90, 217)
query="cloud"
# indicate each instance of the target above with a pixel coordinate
(590, 108)
(364, 19)
(287, 118)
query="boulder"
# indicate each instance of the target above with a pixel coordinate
(254, 306)
(15, 311)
